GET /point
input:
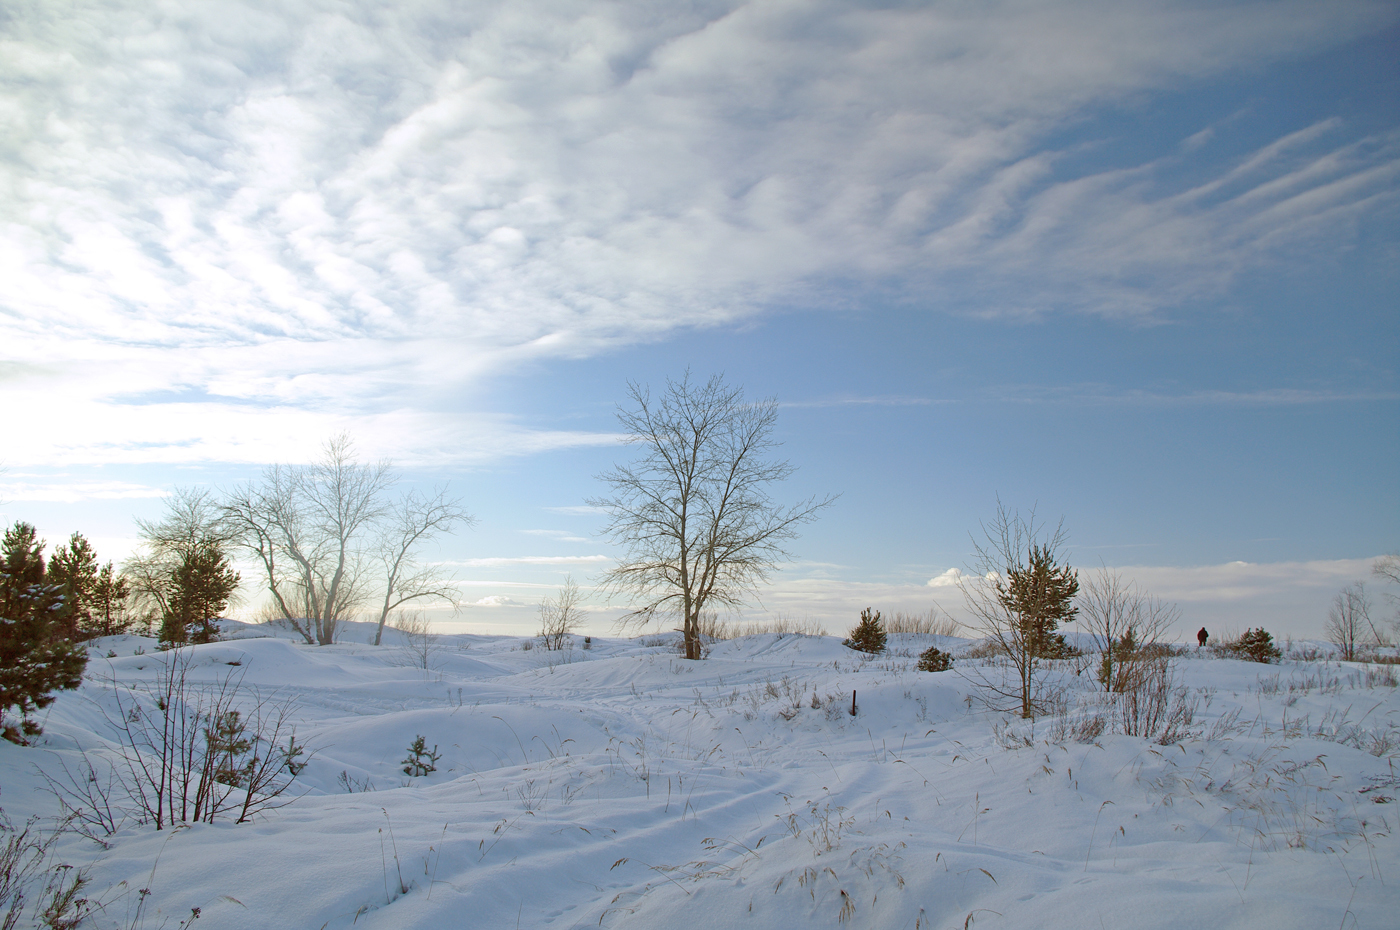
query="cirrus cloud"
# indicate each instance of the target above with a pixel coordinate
(324, 213)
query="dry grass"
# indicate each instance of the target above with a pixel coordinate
(932, 622)
(714, 629)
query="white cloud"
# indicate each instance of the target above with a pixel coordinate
(532, 560)
(497, 600)
(885, 400)
(73, 492)
(319, 218)
(558, 535)
(1286, 598)
(1242, 581)
(948, 579)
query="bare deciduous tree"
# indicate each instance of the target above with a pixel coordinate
(694, 513)
(559, 616)
(193, 527)
(1000, 558)
(312, 528)
(1127, 626)
(1349, 623)
(410, 524)
(1387, 568)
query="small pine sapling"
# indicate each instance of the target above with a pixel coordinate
(421, 760)
(869, 634)
(934, 659)
(228, 742)
(1256, 646)
(292, 755)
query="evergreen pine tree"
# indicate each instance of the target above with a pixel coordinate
(1256, 645)
(869, 634)
(934, 659)
(1042, 596)
(35, 659)
(110, 595)
(200, 588)
(74, 567)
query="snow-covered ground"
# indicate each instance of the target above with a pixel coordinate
(622, 786)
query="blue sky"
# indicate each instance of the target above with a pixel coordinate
(1134, 264)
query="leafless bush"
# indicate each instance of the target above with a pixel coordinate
(420, 643)
(187, 754)
(1373, 676)
(932, 622)
(26, 867)
(1082, 726)
(90, 797)
(560, 616)
(984, 649)
(1154, 707)
(1127, 627)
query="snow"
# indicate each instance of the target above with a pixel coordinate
(622, 786)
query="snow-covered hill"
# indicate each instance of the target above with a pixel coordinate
(622, 786)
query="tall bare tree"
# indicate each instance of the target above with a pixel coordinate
(312, 529)
(1349, 623)
(1387, 568)
(408, 525)
(998, 597)
(693, 513)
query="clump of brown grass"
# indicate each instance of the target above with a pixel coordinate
(714, 629)
(932, 622)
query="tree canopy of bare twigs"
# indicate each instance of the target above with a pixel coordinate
(1349, 624)
(1387, 569)
(693, 512)
(179, 552)
(408, 525)
(1126, 625)
(561, 615)
(1005, 607)
(311, 528)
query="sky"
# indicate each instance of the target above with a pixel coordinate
(1130, 265)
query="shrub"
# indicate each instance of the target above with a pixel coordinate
(185, 754)
(869, 634)
(1255, 645)
(934, 659)
(421, 760)
(560, 616)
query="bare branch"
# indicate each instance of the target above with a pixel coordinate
(408, 526)
(561, 615)
(311, 527)
(1127, 627)
(1005, 554)
(1349, 624)
(693, 513)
